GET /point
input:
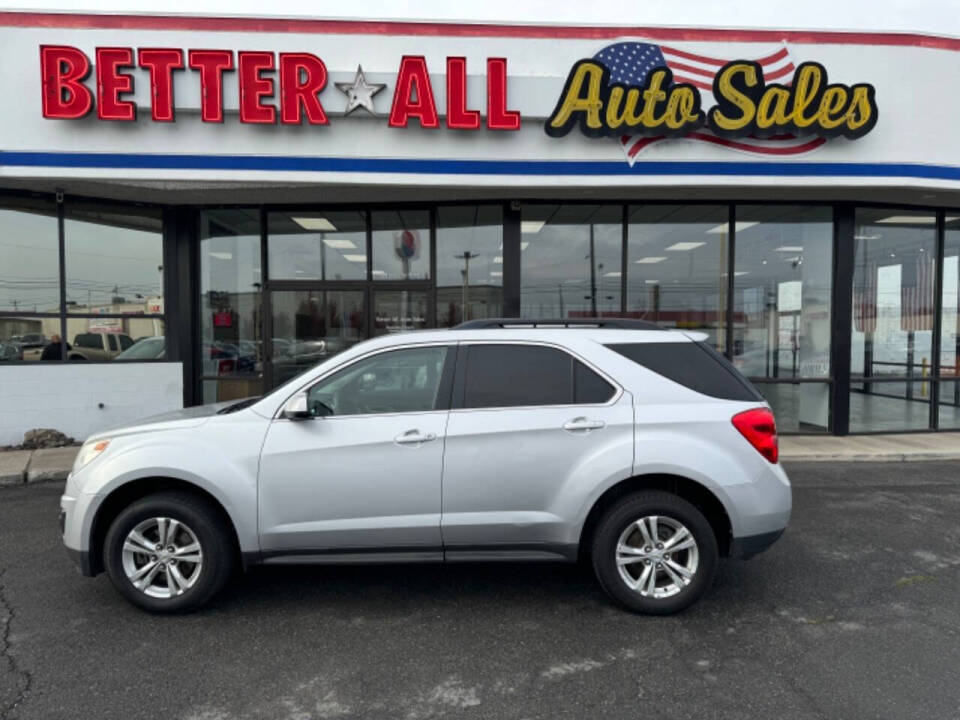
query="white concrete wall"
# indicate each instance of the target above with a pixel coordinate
(67, 397)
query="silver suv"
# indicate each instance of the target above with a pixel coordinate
(639, 450)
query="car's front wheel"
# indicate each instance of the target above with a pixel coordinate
(169, 552)
(654, 552)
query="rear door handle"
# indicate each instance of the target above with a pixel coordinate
(582, 424)
(414, 437)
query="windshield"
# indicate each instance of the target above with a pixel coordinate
(146, 349)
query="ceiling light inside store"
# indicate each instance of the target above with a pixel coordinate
(724, 227)
(320, 224)
(531, 227)
(221, 255)
(681, 246)
(339, 244)
(649, 260)
(498, 260)
(523, 245)
(355, 258)
(496, 273)
(612, 274)
(789, 248)
(653, 282)
(380, 273)
(908, 220)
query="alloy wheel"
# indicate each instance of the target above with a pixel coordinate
(162, 557)
(657, 556)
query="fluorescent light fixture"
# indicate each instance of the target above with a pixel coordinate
(531, 227)
(724, 227)
(908, 220)
(612, 274)
(496, 273)
(789, 248)
(649, 260)
(380, 272)
(523, 245)
(320, 224)
(867, 237)
(339, 244)
(355, 258)
(681, 246)
(653, 282)
(737, 274)
(221, 255)
(498, 260)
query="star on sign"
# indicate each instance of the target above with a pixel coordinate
(360, 93)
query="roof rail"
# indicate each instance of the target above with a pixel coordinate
(601, 322)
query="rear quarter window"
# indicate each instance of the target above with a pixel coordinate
(693, 365)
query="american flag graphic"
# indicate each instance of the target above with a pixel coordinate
(865, 300)
(630, 63)
(916, 295)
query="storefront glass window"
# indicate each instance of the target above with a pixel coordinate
(310, 326)
(469, 263)
(29, 256)
(399, 311)
(317, 246)
(570, 260)
(677, 266)
(29, 339)
(114, 260)
(950, 320)
(893, 312)
(401, 245)
(230, 283)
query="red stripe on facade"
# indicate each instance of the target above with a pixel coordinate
(689, 68)
(763, 150)
(693, 81)
(439, 29)
(785, 70)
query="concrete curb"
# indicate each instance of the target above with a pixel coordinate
(32, 466)
(869, 457)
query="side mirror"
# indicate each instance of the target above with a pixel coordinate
(296, 408)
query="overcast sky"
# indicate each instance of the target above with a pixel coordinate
(931, 16)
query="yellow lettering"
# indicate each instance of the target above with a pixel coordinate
(588, 74)
(680, 108)
(739, 100)
(861, 109)
(651, 96)
(772, 108)
(806, 84)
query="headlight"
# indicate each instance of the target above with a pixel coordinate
(88, 452)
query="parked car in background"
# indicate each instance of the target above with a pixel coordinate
(28, 341)
(148, 348)
(636, 449)
(99, 346)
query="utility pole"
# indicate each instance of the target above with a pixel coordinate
(466, 257)
(593, 278)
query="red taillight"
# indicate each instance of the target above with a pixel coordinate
(760, 429)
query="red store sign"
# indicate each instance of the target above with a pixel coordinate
(301, 78)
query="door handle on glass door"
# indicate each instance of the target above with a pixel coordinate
(414, 437)
(581, 424)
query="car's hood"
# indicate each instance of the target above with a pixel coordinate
(174, 420)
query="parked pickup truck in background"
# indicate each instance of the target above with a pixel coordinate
(98, 346)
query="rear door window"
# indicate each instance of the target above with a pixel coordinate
(693, 365)
(529, 375)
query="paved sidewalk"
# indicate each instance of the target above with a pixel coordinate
(20, 466)
(859, 448)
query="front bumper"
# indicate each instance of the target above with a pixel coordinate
(75, 508)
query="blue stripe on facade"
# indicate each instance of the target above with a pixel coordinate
(472, 167)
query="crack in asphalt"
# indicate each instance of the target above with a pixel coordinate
(15, 669)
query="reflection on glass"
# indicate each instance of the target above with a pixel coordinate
(781, 310)
(114, 259)
(677, 266)
(317, 246)
(886, 406)
(469, 263)
(230, 282)
(799, 407)
(570, 260)
(311, 326)
(893, 301)
(96, 339)
(399, 311)
(29, 256)
(950, 321)
(28, 339)
(950, 405)
(401, 245)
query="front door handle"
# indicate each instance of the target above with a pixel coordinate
(582, 424)
(414, 437)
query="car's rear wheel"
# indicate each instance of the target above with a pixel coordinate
(654, 552)
(169, 552)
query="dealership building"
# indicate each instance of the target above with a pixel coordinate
(195, 209)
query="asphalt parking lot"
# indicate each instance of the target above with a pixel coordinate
(855, 613)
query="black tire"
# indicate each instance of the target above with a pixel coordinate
(204, 520)
(627, 511)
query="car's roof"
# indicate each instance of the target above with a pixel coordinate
(557, 335)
